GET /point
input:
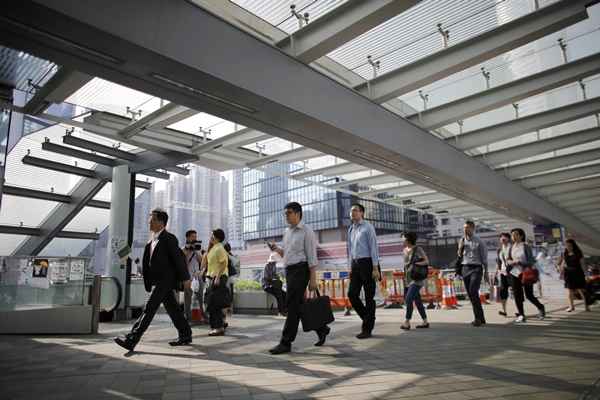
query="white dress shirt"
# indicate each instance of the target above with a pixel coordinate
(154, 241)
(299, 245)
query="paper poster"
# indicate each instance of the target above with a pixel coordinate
(59, 271)
(25, 272)
(77, 272)
(40, 268)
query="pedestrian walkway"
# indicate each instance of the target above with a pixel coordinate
(557, 358)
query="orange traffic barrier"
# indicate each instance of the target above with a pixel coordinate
(483, 297)
(197, 315)
(432, 291)
(449, 301)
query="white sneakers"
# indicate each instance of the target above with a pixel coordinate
(520, 320)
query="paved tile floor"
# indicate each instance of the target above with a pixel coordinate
(558, 358)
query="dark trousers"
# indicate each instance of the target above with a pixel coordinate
(165, 294)
(413, 295)
(279, 295)
(472, 275)
(218, 298)
(362, 277)
(518, 289)
(503, 284)
(297, 276)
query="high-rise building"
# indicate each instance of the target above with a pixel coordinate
(327, 211)
(236, 219)
(199, 201)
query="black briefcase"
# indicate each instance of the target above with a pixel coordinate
(316, 312)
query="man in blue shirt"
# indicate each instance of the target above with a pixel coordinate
(363, 256)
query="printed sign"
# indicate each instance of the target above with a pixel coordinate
(77, 272)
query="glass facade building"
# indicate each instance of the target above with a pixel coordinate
(267, 191)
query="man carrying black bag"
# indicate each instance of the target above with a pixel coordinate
(300, 259)
(164, 267)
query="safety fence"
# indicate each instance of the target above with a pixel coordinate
(440, 290)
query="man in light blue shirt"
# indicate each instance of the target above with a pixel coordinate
(363, 256)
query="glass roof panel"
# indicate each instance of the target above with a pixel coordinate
(99, 94)
(414, 34)
(89, 220)
(65, 247)
(278, 12)
(31, 212)
(19, 174)
(8, 243)
(18, 68)
(214, 126)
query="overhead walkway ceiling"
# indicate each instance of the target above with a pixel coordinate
(465, 166)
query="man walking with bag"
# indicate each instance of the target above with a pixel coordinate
(472, 253)
(164, 269)
(299, 254)
(363, 256)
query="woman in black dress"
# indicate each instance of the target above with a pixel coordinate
(572, 268)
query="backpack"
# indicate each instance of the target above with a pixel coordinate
(233, 264)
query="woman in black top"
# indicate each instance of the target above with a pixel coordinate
(572, 268)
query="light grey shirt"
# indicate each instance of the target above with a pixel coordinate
(475, 251)
(299, 245)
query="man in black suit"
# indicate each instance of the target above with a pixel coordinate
(164, 268)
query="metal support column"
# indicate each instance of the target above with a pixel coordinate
(120, 237)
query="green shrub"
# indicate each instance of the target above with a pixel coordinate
(247, 284)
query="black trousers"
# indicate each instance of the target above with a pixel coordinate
(162, 293)
(297, 276)
(218, 298)
(362, 277)
(518, 289)
(472, 275)
(279, 295)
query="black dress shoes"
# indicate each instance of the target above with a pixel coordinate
(280, 349)
(477, 323)
(323, 336)
(181, 341)
(127, 344)
(363, 335)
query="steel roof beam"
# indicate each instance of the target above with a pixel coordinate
(580, 201)
(366, 181)
(238, 138)
(99, 148)
(468, 53)
(548, 164)
(341, 25)
(82, 193)
(508, 93)
(587, 183)
(337, 121)
(576, 195)
(333, 170)
(513, 128)
(559, 176)
(49, 196)
(538, 147)
(297, 154)
(75, 153)
(63, 84)
(156, 117)
(59, 167)
(28, 231)
(584, 208)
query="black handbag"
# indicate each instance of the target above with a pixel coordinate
(316, 312)
(416, 272)
(458, 263)
(218, 296)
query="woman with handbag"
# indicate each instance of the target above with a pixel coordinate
(415, 269)
(572, 269)
(523, 275)
(217, 293)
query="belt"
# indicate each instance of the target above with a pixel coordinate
(360, 260)
(302, 264)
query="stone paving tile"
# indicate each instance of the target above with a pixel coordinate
(558, 358)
